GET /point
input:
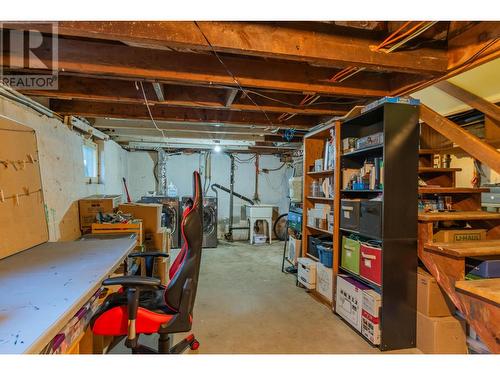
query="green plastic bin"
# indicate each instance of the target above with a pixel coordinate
(350, 254)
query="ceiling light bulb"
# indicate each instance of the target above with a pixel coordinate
(217, 148)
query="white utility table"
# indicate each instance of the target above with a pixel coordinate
(42, 288)
(262, 212)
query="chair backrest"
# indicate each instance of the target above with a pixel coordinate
(188, 262)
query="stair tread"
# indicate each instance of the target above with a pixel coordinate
(437, 170)
(458, 215)
(488, 289)
(451, 190)
(466, 248)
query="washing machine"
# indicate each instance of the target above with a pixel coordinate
(171, 215)
(209, 221)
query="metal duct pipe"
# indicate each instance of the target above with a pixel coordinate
(162, 186)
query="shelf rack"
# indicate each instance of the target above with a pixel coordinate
(314, 145)
(399, 214)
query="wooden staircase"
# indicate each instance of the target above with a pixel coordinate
(477, 300)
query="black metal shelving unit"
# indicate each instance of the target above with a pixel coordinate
(399, 123)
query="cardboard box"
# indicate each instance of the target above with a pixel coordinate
(441, 335)
(431, 300)
(306, 272)
(324, 281)
(349, 300)
(454, 235)
(156, 241)
(149, 213)
(370, 322)
(89, 207)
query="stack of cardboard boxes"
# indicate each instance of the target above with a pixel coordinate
(438, 331)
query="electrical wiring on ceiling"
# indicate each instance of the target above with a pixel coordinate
(463, 65)
(387, 46)
(242, 161)
(150, 114)
(231, 73)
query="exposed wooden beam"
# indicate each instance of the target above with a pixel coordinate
(472, 100)
(280, 40)
(474, 46)
(150, 134)
(465, 140)
(118, 61)
(118, 124)
(166, 113)
(122, 91)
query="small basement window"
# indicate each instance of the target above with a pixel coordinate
(91, 162)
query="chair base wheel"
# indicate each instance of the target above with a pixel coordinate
(194, 345)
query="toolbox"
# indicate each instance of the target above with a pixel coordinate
(350, 254)
(349, 299)
(370, 263)
(306, 272)
(370, 218)
(485, 266)
(349, 213)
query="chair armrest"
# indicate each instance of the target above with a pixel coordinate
(155, 254)
(133, 281)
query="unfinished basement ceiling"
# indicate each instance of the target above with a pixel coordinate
(263, 83)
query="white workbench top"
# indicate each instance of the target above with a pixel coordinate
(42, 288)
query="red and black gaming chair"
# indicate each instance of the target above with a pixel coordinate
(143, 306)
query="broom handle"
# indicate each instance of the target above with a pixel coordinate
(126, 191)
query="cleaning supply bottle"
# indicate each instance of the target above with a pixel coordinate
(171, 190)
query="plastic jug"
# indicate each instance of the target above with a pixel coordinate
(171, 190)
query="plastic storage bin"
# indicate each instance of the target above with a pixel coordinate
(350, 254)
(349, 214)
(370, 218)
(370, 263)
(325, 255)
(312, 248)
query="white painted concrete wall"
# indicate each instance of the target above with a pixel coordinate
(273, 187)
(61, 163)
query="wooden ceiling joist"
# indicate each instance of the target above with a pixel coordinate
(97, 59)
(321, 47)
(118, 124)
(123, 91)
(167, 113)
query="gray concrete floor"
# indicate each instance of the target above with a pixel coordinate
(245, 304)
